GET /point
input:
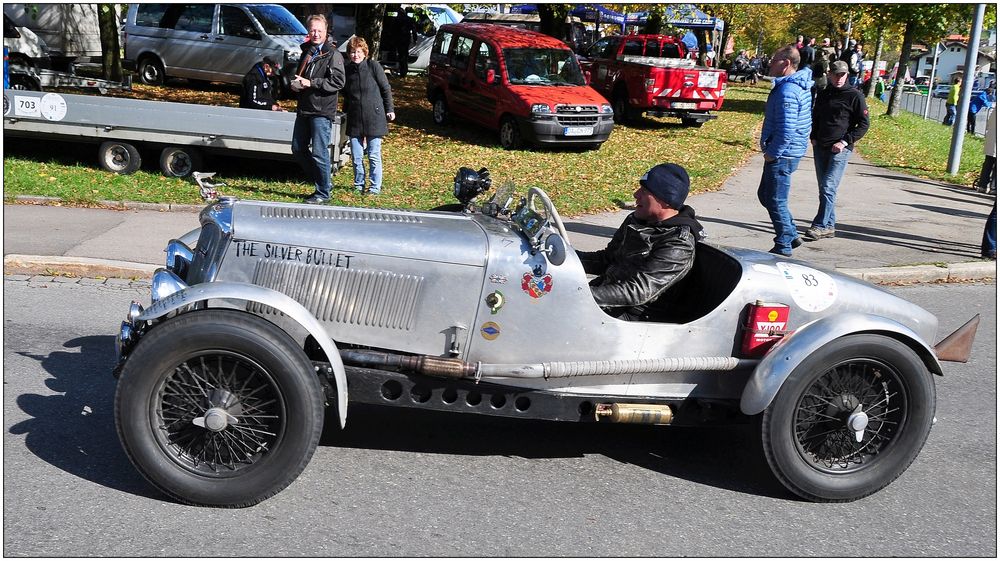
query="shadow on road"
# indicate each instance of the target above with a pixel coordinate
(75, 430)
(724, 457)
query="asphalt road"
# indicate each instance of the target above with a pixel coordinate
(418, 484)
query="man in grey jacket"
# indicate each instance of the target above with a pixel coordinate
(317, 82)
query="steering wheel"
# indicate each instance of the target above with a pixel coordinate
(550, 210)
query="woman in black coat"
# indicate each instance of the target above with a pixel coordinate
(368, 104)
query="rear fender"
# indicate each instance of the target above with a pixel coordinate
(268, 297)
(784, 357)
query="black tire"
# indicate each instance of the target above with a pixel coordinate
(210, 367)
(151, 71)
(439, 110)
(690, 122)
(874, 380)
(24, 82)
(119, 157)
(510, 134)
(178, 161)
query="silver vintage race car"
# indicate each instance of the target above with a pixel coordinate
(272, 317)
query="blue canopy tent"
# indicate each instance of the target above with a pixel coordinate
(685, 17)
(594, 13)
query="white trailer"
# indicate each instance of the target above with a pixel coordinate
(181, 131)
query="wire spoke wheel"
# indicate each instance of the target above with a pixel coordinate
(219, 408)
(849, 415)
(849, 419)
(218, 413)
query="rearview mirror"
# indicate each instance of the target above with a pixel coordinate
(555, 249)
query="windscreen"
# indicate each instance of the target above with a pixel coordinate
(547, 67)
(276, 20)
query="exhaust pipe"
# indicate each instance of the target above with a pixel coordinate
(634, 413)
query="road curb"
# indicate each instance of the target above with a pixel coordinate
(85, 267)
(953, 272)
(114, 205)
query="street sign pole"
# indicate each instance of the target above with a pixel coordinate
(971, 56)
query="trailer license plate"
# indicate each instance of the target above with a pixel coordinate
(578, 131)
(684, 105)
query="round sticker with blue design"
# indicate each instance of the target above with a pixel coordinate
(489, 331)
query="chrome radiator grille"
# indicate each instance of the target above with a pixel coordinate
(341, 295)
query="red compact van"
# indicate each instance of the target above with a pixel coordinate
(526, 85)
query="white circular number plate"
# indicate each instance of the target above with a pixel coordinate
(812, 290)
(53, 107)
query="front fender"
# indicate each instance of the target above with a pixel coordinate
(779, 363)
(268, 297)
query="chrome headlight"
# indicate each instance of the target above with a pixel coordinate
(164, 284)
(540, 108)
(606, 108)
(179, 257)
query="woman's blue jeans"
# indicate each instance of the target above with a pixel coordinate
(829, 171)
(374, 152)
(775, 183)
(314, 130)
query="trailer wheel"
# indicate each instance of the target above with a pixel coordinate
(119, 157)
(24, 82)
(176, 161)
(151, 71)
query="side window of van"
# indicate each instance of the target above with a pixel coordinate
(486, 59)
(442, 43)
(151, 15)
(463, 49)
(194, 17)
(232, 21)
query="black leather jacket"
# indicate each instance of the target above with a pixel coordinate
(641, 262)
(325, 71)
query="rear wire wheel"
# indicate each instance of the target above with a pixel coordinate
(850, 419)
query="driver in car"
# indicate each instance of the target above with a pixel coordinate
(651, 251)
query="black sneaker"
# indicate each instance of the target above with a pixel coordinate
(316, 200)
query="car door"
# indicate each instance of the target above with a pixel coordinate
(484, 96)
(189, 52)
(459, 82)
(237, 44)
(603, 54)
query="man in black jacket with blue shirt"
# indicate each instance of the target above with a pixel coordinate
(840, 119)
(257, 91)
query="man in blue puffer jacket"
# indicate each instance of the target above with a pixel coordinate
(785, 135)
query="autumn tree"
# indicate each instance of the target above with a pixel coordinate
(368, 22)
(111, 53)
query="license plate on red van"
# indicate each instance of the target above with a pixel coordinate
(578, 131)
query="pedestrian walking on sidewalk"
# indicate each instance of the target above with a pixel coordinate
(990, 235)
(783, 139)
(839, 120)
(988, 174)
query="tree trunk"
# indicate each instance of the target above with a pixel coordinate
(111, 54)
(654, 22)
(368, 24)
(904, 60)
(552, 20)
(870, 92)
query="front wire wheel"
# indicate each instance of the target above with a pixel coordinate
(219, 408)
(218, 413)
(850, 419)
